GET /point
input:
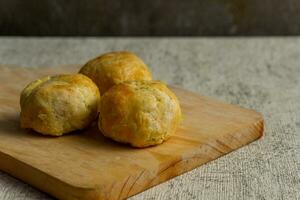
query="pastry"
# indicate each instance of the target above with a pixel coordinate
(59, 104)
(112, 68)
(141, 113)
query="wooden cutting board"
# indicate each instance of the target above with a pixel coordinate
(85, 165)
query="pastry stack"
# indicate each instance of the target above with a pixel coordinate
(116, 89)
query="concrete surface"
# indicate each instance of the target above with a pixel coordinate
(258, 73)
(155, 17)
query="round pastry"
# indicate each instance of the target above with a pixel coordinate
(141, 113)
(112, 68)
(59, 104)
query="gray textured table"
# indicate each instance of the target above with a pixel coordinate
(258, 73)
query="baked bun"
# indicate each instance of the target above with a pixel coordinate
(59, 104)
(112, 68)
(141, 113)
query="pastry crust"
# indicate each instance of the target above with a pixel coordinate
(112, 68)
(59, 104)
(141, 113)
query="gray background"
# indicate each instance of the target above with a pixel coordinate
(149, 17)
(258, 73)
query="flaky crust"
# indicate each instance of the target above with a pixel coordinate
(59, 104)
(141, 113)
(112, 68)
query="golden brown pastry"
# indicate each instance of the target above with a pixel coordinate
(59, 104)
(141, 113)
(112, 68)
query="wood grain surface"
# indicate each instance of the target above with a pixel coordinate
(85, 165)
